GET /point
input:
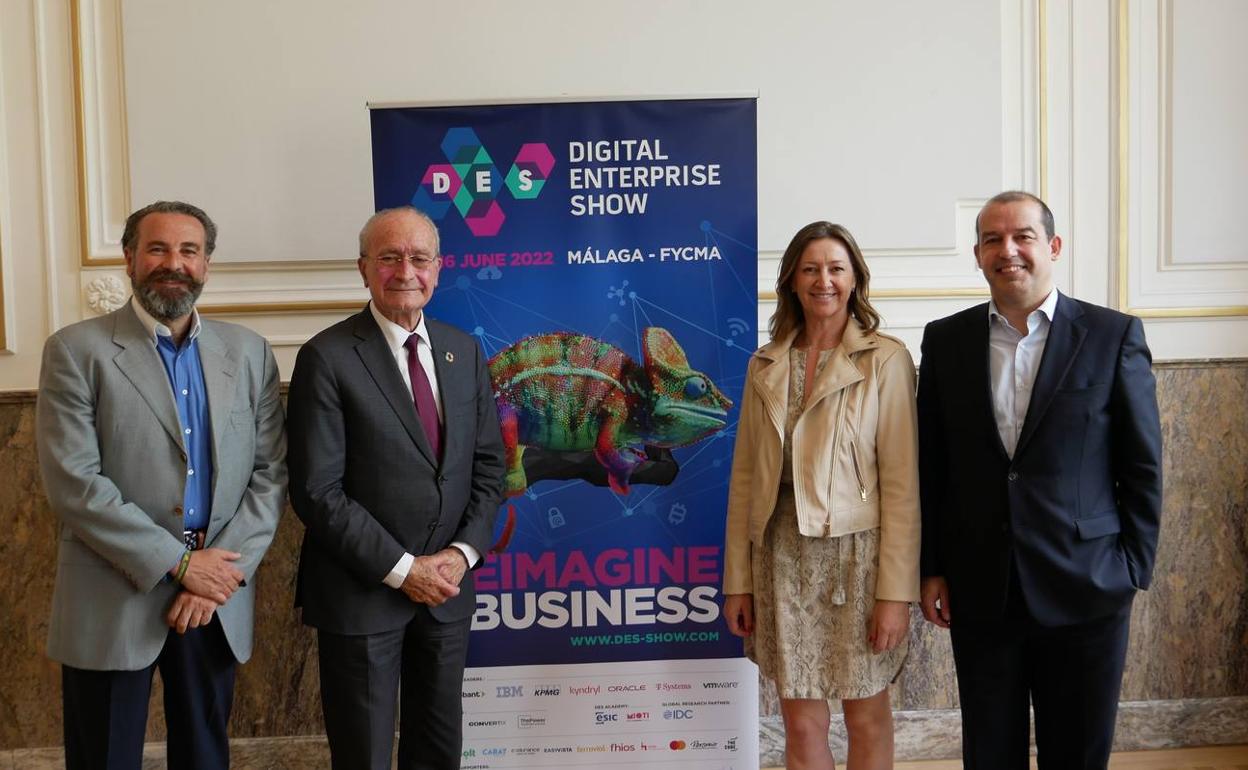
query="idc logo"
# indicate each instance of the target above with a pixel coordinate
(470, 181)
(678, 713)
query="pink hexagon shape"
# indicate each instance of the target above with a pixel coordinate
(488, 222)
(538, 154)
(446, 175)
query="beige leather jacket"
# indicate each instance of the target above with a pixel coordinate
(855, 457)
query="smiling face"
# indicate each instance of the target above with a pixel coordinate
(823, 281)
(1016, 254)
(168, 265)
(400, 290)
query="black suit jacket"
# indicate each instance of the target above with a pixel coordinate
(365, 482)
(1077, 509)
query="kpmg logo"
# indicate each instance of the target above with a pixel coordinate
(470, 181)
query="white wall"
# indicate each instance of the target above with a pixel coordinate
(896, 119)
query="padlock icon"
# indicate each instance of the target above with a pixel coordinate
(676, 514)
(555, 517)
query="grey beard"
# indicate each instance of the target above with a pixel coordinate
(164, 308)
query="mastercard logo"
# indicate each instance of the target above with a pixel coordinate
(677, 745)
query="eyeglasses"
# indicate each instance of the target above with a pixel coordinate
(393, 260)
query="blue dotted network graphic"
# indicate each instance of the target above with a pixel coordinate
(710, 309)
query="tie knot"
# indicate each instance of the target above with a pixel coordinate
(412, 342)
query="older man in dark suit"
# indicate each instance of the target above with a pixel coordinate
(396, 469)
(1040, 465)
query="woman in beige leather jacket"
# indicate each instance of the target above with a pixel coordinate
(822, 552)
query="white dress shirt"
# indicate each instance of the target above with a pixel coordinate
(1013, 361)
(396, 336)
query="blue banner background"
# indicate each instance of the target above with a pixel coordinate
(708, 305)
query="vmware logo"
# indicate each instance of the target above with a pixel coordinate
(470, 181)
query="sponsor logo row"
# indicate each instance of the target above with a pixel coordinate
(555, 690)
(669, 714)
(601, 748)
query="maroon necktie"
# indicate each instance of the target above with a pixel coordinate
(422, 394)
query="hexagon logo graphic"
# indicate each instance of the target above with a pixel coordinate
(530, 171)
(471, 182)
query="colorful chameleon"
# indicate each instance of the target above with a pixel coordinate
(567, 392)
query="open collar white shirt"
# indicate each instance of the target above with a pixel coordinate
(1013, 362)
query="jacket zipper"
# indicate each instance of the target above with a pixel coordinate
(836, 445)
(853, 455)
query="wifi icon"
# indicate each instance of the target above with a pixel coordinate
(738, 326)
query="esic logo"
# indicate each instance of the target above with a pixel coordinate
(470, 181)
(678, 713)
(601, 717)
(509, 691)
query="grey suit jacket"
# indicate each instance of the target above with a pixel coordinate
(114, 467)
(366, 483)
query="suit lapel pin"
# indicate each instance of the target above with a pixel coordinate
(450, 357)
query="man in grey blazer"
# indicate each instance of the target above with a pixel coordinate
(162, 451)
(396, 469)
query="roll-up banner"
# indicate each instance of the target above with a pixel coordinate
(604, 255)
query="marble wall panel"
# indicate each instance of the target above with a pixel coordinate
(276, 692)
(1189, 632)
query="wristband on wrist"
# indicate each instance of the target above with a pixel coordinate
(182, 565)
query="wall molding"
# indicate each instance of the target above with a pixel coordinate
(100, 117)
(1144, 183)
(909, 273)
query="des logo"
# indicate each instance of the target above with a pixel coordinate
(471, 183)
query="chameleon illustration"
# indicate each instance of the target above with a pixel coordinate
(566, 392)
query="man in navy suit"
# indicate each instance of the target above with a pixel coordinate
(1040, 465)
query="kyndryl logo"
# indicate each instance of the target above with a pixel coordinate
(470, 181)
